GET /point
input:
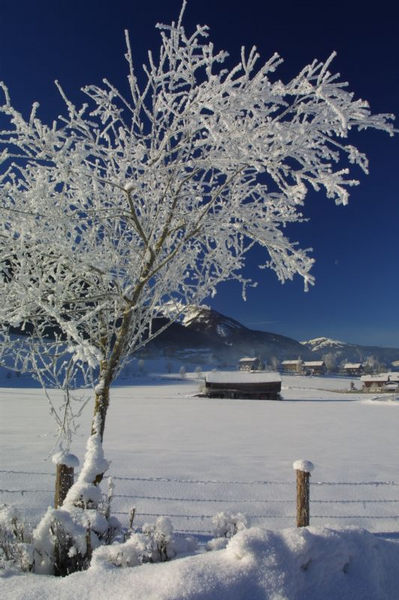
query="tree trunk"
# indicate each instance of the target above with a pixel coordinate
(101, 405)
(108, 367)
(101, 402)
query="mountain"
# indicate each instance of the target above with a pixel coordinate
(205, 335)
(351, 352)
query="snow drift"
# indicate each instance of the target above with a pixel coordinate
(257, 564)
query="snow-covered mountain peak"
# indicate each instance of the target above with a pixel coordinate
(206, 318)
(321, 343)
(195, 313)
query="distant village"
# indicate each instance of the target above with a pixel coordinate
(254, 379)
(371, 374)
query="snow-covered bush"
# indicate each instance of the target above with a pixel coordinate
(16, 549)
(160, 540)
(127, 554)
(225, 526)
(65, 538)
(228, 524)
(155, 543)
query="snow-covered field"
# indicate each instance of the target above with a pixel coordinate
(188, 458)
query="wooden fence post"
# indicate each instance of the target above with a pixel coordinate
(64, 479)
(303, 469)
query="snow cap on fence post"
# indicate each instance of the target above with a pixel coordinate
(303, 465)
(303, 469)
(65, 462)
(65, 458)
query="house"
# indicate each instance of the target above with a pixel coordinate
(239, 384)
(250, 364)
(374, 383)
(292, 366)
(314, 367)
(353, 369)
(382, 382)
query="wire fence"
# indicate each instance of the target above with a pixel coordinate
(191, 503)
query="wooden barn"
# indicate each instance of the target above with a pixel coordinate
(374, 383)
(236, 384)
(292, 366)
(353, 369)
(314, 367)
(382, 382)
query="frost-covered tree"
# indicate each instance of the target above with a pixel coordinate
(136, 201)
(330, 360)
(373, 365)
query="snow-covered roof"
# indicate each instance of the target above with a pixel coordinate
(241, 377)
(248, 359)
(381, 377)
(314, 363)
(291, 362)
(353, 366)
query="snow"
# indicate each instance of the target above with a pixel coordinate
(313, 363)
(95, 464)
(292, 564)
(113, 270)
(303, 465)
(291, 362)
(129, 186)
(381, 377)
(202, 314)
(65, 458)
(193, 312)
(165, 444)
(319, 343)
(241, 377)
(222, 330)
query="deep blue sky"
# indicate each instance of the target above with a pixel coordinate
(356, 297)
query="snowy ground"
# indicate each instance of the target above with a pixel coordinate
(187, 457)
